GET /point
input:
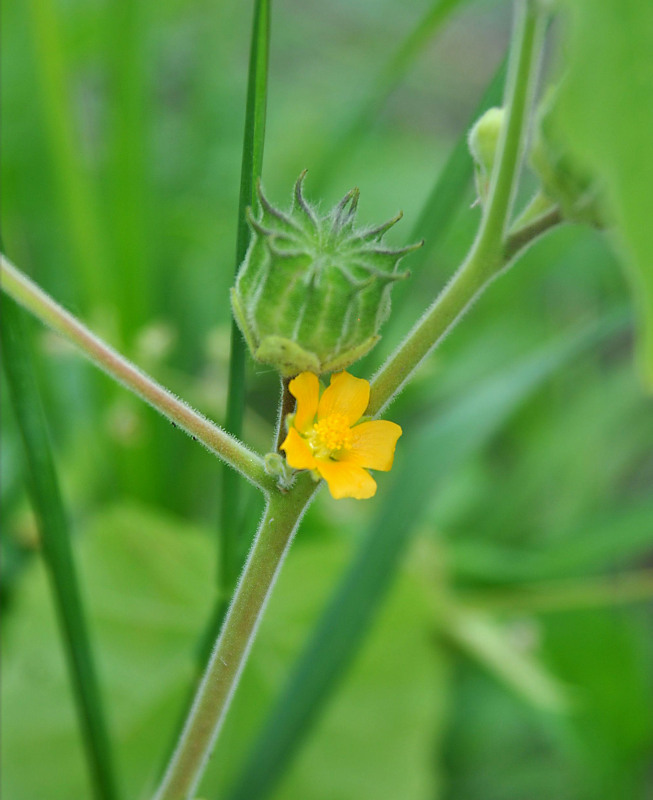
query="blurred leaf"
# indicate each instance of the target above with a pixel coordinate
(79, 199)
(607, 657)
(376, 739)
(390, 76)
(57, 550)
(485, 641)
(605, 541)
(606, 115)
(452, 182)
(457, 432)
(150, 578)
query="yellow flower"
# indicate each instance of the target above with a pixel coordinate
(334, 445)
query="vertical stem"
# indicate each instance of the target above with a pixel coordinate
(57, 550)
(520, 87)
(252, 165)
(275, 533)
(486, 257)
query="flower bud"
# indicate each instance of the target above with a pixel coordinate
(483, 141)
(313, 291)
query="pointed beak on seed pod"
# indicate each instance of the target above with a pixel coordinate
(313, 291)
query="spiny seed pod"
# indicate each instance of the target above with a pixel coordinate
(313, 292)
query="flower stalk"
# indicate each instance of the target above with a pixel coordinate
(487, 258)
(41, 305)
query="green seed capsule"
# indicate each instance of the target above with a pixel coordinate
(313, 291)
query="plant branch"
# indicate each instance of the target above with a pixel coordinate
(519, 239)
(486, 258)
(41, 305)
(274, 536)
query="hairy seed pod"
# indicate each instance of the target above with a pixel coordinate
(313, 291)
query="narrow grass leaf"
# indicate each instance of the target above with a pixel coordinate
(79, 203)
(479, 636)
(252, 165)
(607, 540)
(56, 546)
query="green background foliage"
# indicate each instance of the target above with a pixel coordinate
(481, 629)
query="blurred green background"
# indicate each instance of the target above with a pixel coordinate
(481, 630)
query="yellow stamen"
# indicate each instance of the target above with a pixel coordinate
(330, 435)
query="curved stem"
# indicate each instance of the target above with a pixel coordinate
(486, 258)
(280, 520)
(41, 305)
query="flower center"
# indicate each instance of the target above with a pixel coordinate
(330, 435)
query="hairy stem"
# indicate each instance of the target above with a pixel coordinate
(521, 238)
(275, 533)
(486, 258)
(41, 305)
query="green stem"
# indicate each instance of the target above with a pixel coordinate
(226, 447)
(522, 237)
(252, 165)
(274, 536)
(57, 550)
(486, 258)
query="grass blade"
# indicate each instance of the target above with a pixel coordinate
(252, 165)
(80, 206)
(455, 434)
(386, 81)
(57, 550)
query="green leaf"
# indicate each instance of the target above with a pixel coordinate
(606, 115)
(151, 580)
(57, 550)
(606, 541)
(606, 656)
(485, 641)
(449, 190)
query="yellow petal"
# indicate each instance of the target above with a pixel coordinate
(306, 389)
(346, 480)
(298, 453)
(373, 445)
(346, 395)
